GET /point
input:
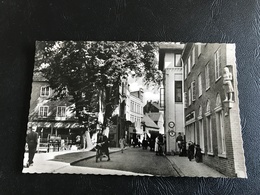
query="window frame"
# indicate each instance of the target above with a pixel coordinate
(162, 100)
(199, 85)
(43, 111)
(179, 83)
(207, 76)
(193, 91)
(217, 63)
(43, 91)
(57, 112)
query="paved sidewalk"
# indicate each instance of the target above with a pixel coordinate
(62, 162)
(188, 168)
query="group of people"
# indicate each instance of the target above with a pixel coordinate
(194, 150)
(160, 143)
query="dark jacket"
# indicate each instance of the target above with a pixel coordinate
(32, 139)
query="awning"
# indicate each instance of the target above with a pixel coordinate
(65, 125)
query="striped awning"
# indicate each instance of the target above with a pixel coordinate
(65, 125)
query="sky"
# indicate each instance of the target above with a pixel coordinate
(149, 93)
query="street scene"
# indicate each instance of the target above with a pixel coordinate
(134, 108)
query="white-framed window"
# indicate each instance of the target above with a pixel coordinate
(45, 91)
(193, 57)
(177, 59)
(199, 49)
(201, 130)
(189, 96)
(209, 128)
(189, 64)
(185, 71)
(43, 111)
(220, 127)
(217, 58)
(199, 85)
(185, 100)
(207, 78)
(61, 111)
(193, 92)
(162, 97)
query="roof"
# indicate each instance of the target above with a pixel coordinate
(156, 105)
(154, 115)
(37, 76)
(149, 122)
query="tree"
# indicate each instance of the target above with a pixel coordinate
(88, 71)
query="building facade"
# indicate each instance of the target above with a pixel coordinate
(171, 95)
(51, 118)
(211, 106)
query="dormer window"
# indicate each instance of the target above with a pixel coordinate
(45, 91)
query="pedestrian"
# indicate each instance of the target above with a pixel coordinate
(105, 147)
(156, 145)
(102, 146)
(164, 145)
(179, 140)
(32, 141)
(122, 144)
(190, 150)
(198, 154)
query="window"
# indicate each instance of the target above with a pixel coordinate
(189, 64)
(61, 111)
(220, 127)
(45, 91)
(185, 71)
(217, 64)
(162, 97)
(207, 76)
(178, 91)
(209, 128)
(177, 60)
(199, 85)
(193, 92)
(199, 49)
(209, 134)
(193, 57)
(201, 130)
(189, 96)
(220, 133)
(43, 111)
(185, 100)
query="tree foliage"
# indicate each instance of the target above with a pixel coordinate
(83, 69)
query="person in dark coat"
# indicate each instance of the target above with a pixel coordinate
(32, 141)
(190, 151)
(102, 142)
(198, 154)
(179, 140)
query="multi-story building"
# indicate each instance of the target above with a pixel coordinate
(135, 113)
(171, 96)
(211, 113)
(51, 117)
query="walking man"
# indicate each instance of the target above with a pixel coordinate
(32, 141)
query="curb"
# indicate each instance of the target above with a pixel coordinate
(91, 156)
(174, 166)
